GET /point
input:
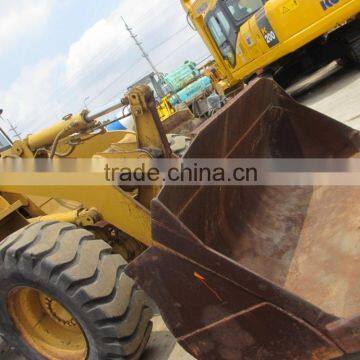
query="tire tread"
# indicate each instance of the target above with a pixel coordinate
(85, 271)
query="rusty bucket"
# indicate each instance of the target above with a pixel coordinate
(260, 272)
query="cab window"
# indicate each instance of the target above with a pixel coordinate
(223, 21)
(242, 9)
(220, 29)
(216, 31)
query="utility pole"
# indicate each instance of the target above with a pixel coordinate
(12, 128)
(139, 45)
(148, 59)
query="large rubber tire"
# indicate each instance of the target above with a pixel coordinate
(80, 273)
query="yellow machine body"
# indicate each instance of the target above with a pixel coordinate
(246, 36)
(80, 204)
(165, 109)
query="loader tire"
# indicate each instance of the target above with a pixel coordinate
(63, 295)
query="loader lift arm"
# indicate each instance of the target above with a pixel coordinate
(120, 208)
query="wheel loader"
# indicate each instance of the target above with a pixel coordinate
(278, 38)
(238, 272)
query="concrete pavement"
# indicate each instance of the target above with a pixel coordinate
(338, 97)
(162, 345)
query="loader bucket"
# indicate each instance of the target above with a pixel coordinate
(260, 272)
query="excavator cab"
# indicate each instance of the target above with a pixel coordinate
(243, 9)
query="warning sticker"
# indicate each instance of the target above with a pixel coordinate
(289, 6)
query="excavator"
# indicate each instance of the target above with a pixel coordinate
(278, 38)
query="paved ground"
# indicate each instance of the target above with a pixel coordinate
(337, 96)
(162, 346)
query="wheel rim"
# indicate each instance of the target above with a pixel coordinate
(46, 325)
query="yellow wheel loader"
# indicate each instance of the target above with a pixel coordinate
(64, 294)
(282, 38)
(239, 272)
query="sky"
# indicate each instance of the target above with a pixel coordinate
(58, 56)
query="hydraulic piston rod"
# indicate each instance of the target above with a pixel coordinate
(71, 124)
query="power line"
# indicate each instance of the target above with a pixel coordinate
(145, 16)
(114, 81)
(176, 49)
(147, 57)
(101, 56)
(108, 86)
(12, 128)
(200, 60)
(157, 64)
(139, 45)
(168, 38)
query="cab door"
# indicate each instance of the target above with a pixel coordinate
(223, 35)
(230, 25)
(243, 13)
